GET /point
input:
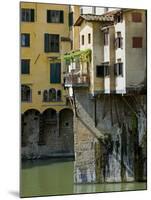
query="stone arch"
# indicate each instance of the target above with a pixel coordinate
(30, 127)
(66, 129)
(48, 124)
(26, 93)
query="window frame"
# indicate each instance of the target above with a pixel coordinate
(82, 39)
(27, 39)
(51, 44)
(58, 77)
(55, 16)
(137, 42)
(27, 15)
(25, 66)
(89, 38)
(118, 69)
(136, 17)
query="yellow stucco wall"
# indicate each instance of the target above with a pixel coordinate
(39, 77)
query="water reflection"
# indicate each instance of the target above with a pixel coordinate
(55, 177)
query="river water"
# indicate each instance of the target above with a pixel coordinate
(55, 177)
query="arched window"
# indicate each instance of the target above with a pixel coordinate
(45, 96)
(52, 94)
(58, 95)
(25, 93)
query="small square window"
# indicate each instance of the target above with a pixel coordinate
(27, 15)
(136, 17)
(137, 42)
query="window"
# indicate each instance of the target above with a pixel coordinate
(118, 69)
(89, 38)
(137, 42)
(106, 38)
(106, 70)
(100, 71)
(25, 39)
(51, 43)
(118, 18)
(71, 19)
(52, 94)
(27, 15)
(55, 73)
(119, 41)
(136, 17)
(82, 39)
(45, 96)
(25, 66)
(55, 16)
(25, 93)
(58, 95)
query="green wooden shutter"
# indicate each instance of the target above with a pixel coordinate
(46, 42)
(61, 16)
(55, 73)
(32, 15)
(48, 16)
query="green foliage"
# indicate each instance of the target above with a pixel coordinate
(83, 56)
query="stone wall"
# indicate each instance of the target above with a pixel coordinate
(48, 134)
(121, 155)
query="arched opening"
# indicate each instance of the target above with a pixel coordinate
(52, 94)
(48, 124)
(66, 130)
(25, 93)
(45, 96)
(30, 127)
(58, 95)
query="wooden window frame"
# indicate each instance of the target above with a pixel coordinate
(55, 16)
(137, 42)
(136, 17)
(27, 15)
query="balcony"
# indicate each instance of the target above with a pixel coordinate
(76, 80)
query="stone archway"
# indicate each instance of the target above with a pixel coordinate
(48, 125)
(30, 133)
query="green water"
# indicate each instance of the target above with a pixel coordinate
(53, 177)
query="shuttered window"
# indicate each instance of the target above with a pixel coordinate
(51, 43)
(136, 17)
(119, 41)
(100, 71)
(55, 16)
(25, 66)
(25, 40)
(55, 73)
(106, 38)
(71, 19)
(118, 69)
(27, 15)
(137, 42)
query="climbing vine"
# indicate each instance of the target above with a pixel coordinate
(81, 55)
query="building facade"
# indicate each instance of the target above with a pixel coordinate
(47, 118)
(106, 80)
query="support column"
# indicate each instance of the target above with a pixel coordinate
(58, 123)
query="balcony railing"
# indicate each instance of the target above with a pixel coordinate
(76, 80)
